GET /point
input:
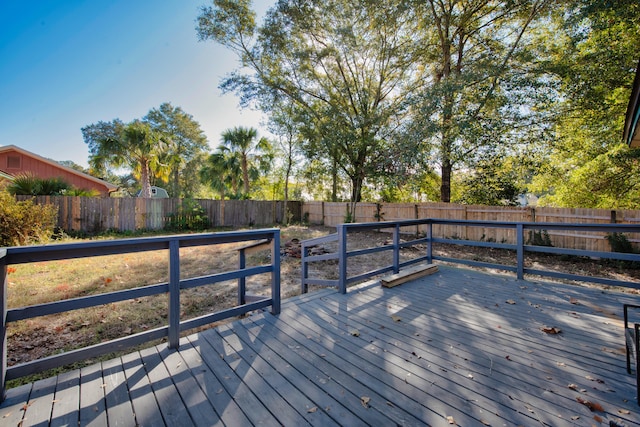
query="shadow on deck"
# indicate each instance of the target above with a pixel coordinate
(459, 347)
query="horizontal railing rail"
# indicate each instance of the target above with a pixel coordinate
(267, 238)
(343, 254)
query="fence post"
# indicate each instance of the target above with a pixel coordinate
(342, 260)
(3, 322)
(520, 250)
(275, 274)
(174, 293)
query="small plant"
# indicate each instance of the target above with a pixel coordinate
(539, 238)
(27, 184)
(189, 216)
(620, 243)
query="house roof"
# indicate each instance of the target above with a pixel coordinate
(6, 148)
(631, 130)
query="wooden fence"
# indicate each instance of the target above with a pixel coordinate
(95, 215)
(332, 214)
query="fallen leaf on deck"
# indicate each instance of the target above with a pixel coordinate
(598, 380)
(575, 417)
(597, 418)
(396, 318)
(573, 386)
(551, 331)
(486, 423)
(312, 410)
(450, 420)
(355, 333)
(593, 406)
(510, 301)
(624, 411)
(365, 401)
(508, 357)
(573, 301)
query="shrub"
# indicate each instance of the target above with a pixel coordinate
(539, 238)
(189, 216)
(25, 223)
(620, 243)
(27, 184)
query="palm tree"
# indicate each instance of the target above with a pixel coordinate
(243, 142)
(135, 145)
(221, 172)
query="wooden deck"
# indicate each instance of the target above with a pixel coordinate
(458, 347)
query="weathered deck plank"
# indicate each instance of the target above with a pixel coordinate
(458, 346)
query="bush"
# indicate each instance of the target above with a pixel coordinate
(27, 184)
(190, 216)
(539, 238)
(620, 243)
(25, 223)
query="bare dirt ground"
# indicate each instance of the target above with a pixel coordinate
(34, 339)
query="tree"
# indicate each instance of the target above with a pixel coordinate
(348, 64)
(222, 172)
(284, 125)
(187, 147)
(254, 154)
(594, 61)
(472, 66)
(134, 145)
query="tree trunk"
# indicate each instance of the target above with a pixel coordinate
(245, 175)
(445, 186)
(144, 179)
(334, 179)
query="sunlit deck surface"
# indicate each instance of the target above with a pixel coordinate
(458, 347)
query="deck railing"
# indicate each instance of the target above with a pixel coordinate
(172, 244)
(399, 228)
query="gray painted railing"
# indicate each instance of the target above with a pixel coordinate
(247, 303)
(342, 255)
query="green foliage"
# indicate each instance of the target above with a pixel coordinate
(30, 185)
(186, 150)
(492, 183)
(620, 243)
(539, 238)
(608, 181)
(190, 216)
(25, 223)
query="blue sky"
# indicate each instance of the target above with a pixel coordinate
(69, 63)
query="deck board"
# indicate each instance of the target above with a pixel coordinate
(458, 346)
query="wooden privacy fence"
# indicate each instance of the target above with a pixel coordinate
(333, 214)
(94, 215)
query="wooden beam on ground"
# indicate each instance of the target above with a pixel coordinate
(412, 273)
(258, 246)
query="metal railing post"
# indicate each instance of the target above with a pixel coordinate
(342, 260)
(242, 281)
(396, 249)
(429, 242)
(520, 251)
(304, 266)
(3, 323)
(275, 274)
(174, 293)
